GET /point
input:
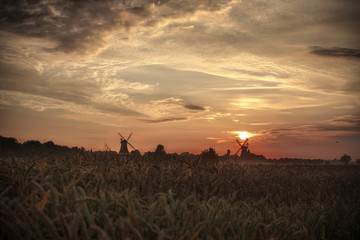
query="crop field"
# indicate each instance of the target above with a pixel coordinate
(100, 196)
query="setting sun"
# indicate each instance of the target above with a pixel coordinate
(243, 135)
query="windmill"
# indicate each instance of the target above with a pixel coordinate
(124, 142)
(243, 147)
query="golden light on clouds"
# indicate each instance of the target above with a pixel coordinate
(79, 74)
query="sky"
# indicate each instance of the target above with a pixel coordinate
(185, 74)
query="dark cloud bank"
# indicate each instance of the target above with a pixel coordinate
(82, 26)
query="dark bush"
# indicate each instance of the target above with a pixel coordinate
(209, 154)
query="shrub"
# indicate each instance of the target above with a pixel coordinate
(8, 145)
(209, 154)
(345, 159)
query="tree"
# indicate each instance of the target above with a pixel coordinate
(135, 153)
(345, 159)
(160, 150)
(8, 145)
(358, 161)
(227, 153)
(209, 154)
(33, 146)
(49, 144)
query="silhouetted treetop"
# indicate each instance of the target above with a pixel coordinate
(160, 149)
(345, 159)
(209, 154)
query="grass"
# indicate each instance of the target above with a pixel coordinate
(98, 196)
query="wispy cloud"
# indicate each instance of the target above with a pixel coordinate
(217, 115)
(162, 120)
(260, 124)
(41, 103)
(37, 103)
(194, 107)
(266, 72)
(335, 127)
(120, 84)
(351, 119)
(335, 52)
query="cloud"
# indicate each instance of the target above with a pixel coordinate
(350, 119)
(337, 126)
(38, 103)
(75, 25)
(260, 124)
(190, 5)
(265, 28)
(27, 80)
(164, 120)
(43, 103)
(194, 107)
(116, 109)
(269, 72)
(335, 52)
(83, 26)
(217, 115)
(99, 93)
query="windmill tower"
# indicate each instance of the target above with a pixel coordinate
(124, 142)
(244, 147)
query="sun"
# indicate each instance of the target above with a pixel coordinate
(243, 135)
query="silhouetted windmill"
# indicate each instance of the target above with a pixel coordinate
(243, 147)
(124, 142)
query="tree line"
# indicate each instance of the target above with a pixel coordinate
(10, 145)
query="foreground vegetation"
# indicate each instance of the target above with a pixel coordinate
(103, 196)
